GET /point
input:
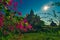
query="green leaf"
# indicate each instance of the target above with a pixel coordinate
(1, 6)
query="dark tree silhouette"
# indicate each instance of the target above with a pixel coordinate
(32, 12)
(53, 24)
(57, 4)
(34, 20)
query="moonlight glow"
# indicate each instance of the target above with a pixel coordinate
(46, 8)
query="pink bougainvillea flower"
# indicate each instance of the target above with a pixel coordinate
(11, 28)
(29, 26)
(25, 30)
(25, 20)
(1, 20)
(15, 8)
(4, 3)
(21, 1)
(15, 4)
(5, 32)
(19, 26)
(19, 13)
(1, 23)
(0, 0)
(10, 2)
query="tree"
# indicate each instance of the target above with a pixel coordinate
(53, 24)
(31, 12)
(57, 4)
(9, 21)
(35, 21)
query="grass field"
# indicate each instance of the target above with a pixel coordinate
(45, 34)
(33, 36)
(41, 36)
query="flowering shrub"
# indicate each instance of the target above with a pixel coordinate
(24, 25)
(9, 22)
(1, 20)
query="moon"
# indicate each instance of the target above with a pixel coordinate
(46, 8)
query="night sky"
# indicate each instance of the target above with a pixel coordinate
(37, 5)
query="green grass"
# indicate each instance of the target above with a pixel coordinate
(41, 36)
(33, 36)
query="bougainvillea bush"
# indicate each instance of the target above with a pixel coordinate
(9, 21)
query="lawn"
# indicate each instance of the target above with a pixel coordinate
(33, 36)
(41, 36)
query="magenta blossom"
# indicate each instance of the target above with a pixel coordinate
(1, 23)
(11, 28)
(19, 26)
(5, 32)
(19, 13)
(15, 8)
(15, 4)
(29, 27)
(10, 2)
(1, 20)
(25, 20)
(21, 1)
(0, 0)
(25, 30)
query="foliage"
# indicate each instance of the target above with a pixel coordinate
(9, 21)
(11, 24)
(58, 5)
(34, 20)
(53, 24)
